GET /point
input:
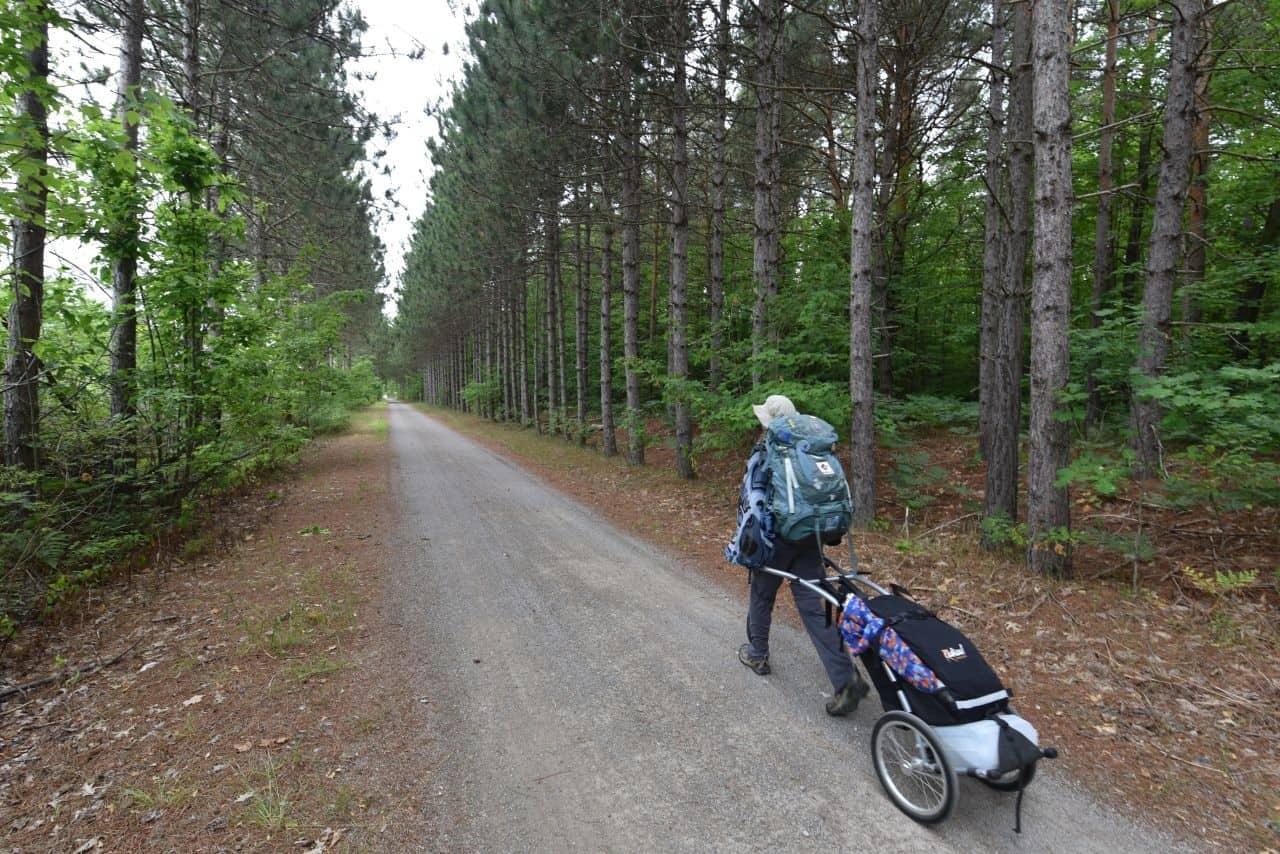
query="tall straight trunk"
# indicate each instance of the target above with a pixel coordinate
(1164, 249)
(677, 323)
(535, 334)
(719, 173)
(1198, 192)
(861, 265)
(1103, 266)
(765, 253)
(653, 278)
(631, 277)
(608, 439)
(562, 378)
(521, 328)
(1048, 511)
(551, 235)
(1137, 215)
(583, 267)
(193, 312)
(22, 365)
(1006, 357)
(999, 444)
(124, 267)
(191, 13)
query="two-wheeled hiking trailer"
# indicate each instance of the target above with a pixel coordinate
(918, 749)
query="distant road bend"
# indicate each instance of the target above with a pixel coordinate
(588, 696)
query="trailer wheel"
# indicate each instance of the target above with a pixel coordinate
(912, 767)
(1009, 782)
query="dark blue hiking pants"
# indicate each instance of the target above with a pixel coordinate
(805, 562)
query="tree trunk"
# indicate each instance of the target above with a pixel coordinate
(1198, 192)
(719, 172)
(767, 150)
(583, 270)
(676, 322)
(999, 446)
(631, 278)
(861, 264)
(608, 439)
(1005, 386)
(565, 427)
(22, 365)
(1163, 251)
(520, 324)
(1137, 214)
(551, 236)
(124, 267)
(1103, 268)
(1048, 512)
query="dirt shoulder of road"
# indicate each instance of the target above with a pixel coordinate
(250, 698)
(1164, 702)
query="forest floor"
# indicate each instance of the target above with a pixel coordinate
(249, 697)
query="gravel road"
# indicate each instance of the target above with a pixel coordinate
(584, 691)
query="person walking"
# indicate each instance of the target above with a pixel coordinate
(752, 544)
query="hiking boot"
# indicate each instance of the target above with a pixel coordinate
(848, 697)
(759, 665)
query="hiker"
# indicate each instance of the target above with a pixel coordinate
(751, 543)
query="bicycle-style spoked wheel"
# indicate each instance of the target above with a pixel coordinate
(912, 767)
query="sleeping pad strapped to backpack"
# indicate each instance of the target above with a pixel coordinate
(808, 494)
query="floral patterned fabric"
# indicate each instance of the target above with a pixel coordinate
(860, 628)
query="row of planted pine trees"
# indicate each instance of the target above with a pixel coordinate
(670, 209)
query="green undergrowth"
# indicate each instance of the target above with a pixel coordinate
(67, 534)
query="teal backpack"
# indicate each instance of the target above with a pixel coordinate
(807, 493)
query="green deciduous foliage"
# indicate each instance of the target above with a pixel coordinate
(242, 354)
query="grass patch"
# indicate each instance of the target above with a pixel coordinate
(195, 546)
(269, 808)
(371, 421)
(367, 724)
(312, 668)
(165, 792)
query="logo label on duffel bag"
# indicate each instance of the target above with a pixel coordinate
(955, 653)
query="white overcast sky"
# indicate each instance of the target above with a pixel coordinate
(403, 90)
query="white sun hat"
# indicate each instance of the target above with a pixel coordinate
(774, 405)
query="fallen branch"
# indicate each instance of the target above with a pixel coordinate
(1177, 758)
(63, 675)
(937, 528)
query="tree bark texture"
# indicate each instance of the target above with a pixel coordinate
(678, 292)
(1048, 512)
(123, 347)
(583, 271)
(768, 53)
(1103, 266)
(719, 173)
(551, 248)
(999, 453)
(1165, 244)
(608, 438)
(861, 265)
(22, 366)
(631, 281)
(1198, 192)
(1010, 297)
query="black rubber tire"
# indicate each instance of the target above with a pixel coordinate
(1009, 782)
(912, 768)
